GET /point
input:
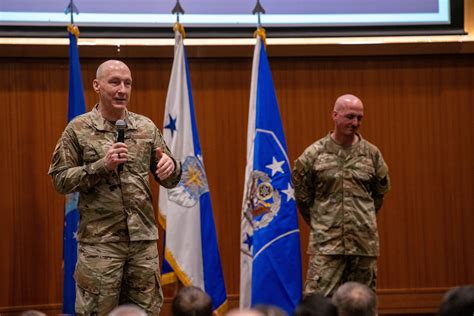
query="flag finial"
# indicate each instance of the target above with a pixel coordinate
(258, 10)
(71, 9)
(178, 9)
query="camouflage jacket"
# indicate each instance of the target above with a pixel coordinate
(338, 191)
(112, 207)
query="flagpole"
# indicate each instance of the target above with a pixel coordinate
(76, 106)
(71, 9)
(168, 273)
(247, 226)
(270, 244)
(72, 28)
(178, 9)
(259, 10)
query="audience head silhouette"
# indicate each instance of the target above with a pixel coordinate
(270, 310)
(458, 302)
(127, 310)
(355, 299)
(315, 304)
(192, 301)
(32, 313)
(245, 312)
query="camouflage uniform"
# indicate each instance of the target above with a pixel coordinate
(338, 191)
(117, 229)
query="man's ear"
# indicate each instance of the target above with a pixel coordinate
(95, 85)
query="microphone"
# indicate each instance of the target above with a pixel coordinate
(120, 125)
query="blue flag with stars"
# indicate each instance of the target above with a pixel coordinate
(76, 106)
(270, 242)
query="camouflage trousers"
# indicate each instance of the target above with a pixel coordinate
(327, 272)
(111, 274)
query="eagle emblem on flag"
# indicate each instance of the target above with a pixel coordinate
(263, 201)
(192, 185)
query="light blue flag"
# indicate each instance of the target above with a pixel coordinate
(270, 242)
(76, 106)
(186, 211)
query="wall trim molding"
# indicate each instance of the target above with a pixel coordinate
(414, 300)
(46, 308)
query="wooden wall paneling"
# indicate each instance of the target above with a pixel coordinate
(221, 102)
(7, 201)
(417, 111)
(34, 245)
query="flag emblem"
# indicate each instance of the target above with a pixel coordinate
(193, 183)
(263, 201)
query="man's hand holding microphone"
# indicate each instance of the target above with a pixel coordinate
(117, 155)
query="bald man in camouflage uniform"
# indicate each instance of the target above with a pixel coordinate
(340, 181)
(117, 252)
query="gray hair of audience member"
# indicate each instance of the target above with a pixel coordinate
(127, 310)
(355, 299)
(458, 302)
(315, 304)
(192, 301)
(33, 313)
(270, 310)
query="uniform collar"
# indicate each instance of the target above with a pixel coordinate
(333, 147)
(102, 124)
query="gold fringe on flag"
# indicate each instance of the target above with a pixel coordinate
(262, 33)
(180, 28)
(73, 29)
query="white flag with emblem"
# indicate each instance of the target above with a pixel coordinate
(186, 211)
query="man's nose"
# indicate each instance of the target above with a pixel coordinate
(121, 87)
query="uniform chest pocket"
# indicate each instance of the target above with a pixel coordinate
(325, 166)
(326, 161)
(364, 169)
(139, 152)
(326, 169)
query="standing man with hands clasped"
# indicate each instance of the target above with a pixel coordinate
(117, 253)
(340, 181)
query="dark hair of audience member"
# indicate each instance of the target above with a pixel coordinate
(315, 304)
(355, 299)
(192, 301)
(458, 302)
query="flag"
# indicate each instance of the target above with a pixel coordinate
(270, 243)
(186, 211)
(76, 106)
